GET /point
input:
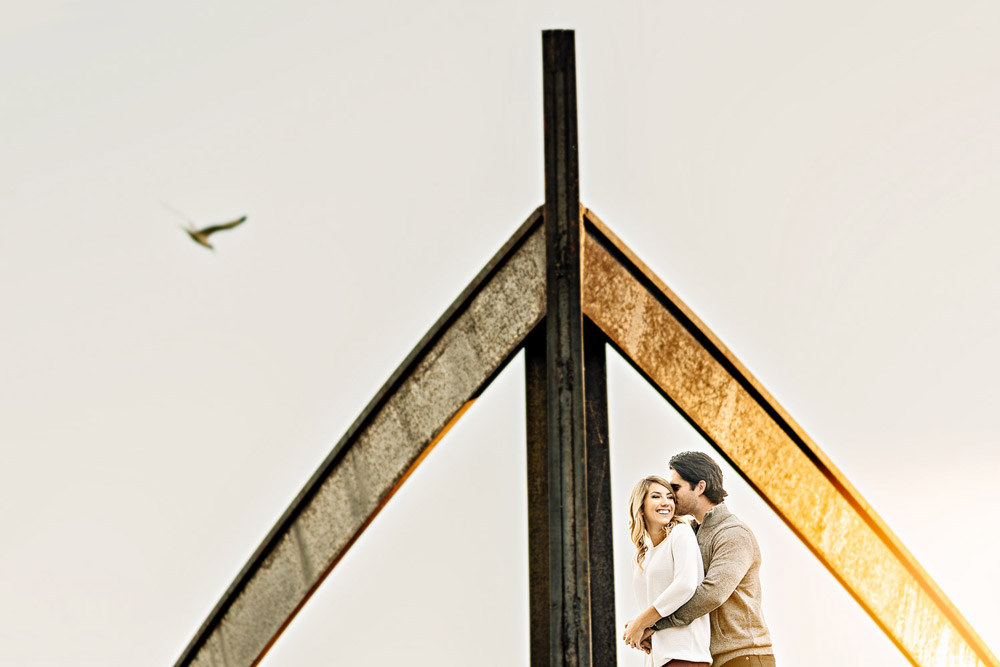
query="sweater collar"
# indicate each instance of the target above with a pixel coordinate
(715, 515)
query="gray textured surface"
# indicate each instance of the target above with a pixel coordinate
(447, 375)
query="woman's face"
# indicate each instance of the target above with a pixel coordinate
(658, 508)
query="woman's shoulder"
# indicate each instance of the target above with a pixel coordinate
(683, 531)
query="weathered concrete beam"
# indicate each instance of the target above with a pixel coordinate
(448, 369)
(695, 372)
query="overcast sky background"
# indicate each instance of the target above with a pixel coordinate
(817, 181)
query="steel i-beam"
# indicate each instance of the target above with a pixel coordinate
(572, 621)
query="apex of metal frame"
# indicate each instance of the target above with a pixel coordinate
(585, 301)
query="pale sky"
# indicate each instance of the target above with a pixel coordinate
(817, 181)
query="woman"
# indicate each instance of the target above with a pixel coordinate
(665, 573)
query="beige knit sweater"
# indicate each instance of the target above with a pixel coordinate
(730, 593)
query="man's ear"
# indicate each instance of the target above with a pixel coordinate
(700, 487)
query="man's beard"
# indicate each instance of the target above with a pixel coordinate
(683, 510)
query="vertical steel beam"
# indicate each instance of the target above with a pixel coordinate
(562, 508)
(569, 554)
(602, 593)
(536, 408)
(604, 641)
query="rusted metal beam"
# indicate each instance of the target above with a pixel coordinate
(695, 372)
(604, 636)
(569, 623)
(594, 290)
(539, 570)
(602, 589)
(439, 379)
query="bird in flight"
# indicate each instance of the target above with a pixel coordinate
(200, 236)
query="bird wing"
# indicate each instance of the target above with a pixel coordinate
(225, 225)
(198, 238)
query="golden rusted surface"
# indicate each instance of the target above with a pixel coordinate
(703, 379)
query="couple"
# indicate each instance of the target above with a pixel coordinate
(691, 587)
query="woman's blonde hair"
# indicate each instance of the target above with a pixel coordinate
(637, 521)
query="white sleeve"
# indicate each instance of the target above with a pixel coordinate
(687, 556)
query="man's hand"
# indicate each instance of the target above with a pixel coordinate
(646, 641)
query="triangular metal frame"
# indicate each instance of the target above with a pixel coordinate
(562, 287)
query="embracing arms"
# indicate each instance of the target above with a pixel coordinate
(732, 557)
(686, 560)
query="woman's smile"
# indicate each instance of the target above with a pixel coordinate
(658, 509)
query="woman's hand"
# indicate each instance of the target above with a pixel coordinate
(638, 631)
(635, 633)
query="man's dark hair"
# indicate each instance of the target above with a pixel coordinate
(694, 467)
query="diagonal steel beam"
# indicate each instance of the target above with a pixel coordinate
(695, 372)
(597, 290)
(440, 378)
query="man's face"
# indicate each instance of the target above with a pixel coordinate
(687, 499)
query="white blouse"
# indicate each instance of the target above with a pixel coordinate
(670, 573)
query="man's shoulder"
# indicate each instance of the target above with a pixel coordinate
(731, 527)
(733, 531)
(722, 516)
(731, 536)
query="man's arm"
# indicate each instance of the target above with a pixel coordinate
(687, 564)
(731, 560)
(687, 558)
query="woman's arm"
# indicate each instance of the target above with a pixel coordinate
(687, 558)
(731, 559)
(636, 628)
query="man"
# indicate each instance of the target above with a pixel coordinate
(730, 592)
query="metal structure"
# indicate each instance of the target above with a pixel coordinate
(562, 288)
